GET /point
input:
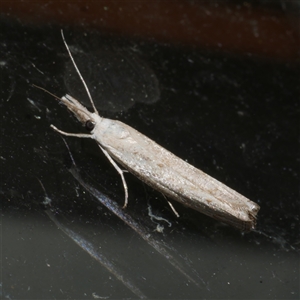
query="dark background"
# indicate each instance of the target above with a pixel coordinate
(215, 83)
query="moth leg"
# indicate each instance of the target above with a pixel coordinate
(80, 135)
(172, 207)
(121, 174)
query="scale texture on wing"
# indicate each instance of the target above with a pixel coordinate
(176, 178)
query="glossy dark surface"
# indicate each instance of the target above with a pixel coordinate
(233, 115)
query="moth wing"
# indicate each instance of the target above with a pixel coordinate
(177, 179)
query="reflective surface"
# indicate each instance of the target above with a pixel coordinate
(232, 115)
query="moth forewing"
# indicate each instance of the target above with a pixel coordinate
(174, 177)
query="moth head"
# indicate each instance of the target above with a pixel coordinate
(81, 113)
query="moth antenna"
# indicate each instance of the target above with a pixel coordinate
(58, 98)
(78, 72)
(38, 87)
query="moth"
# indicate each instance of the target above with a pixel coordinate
(158, 167)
